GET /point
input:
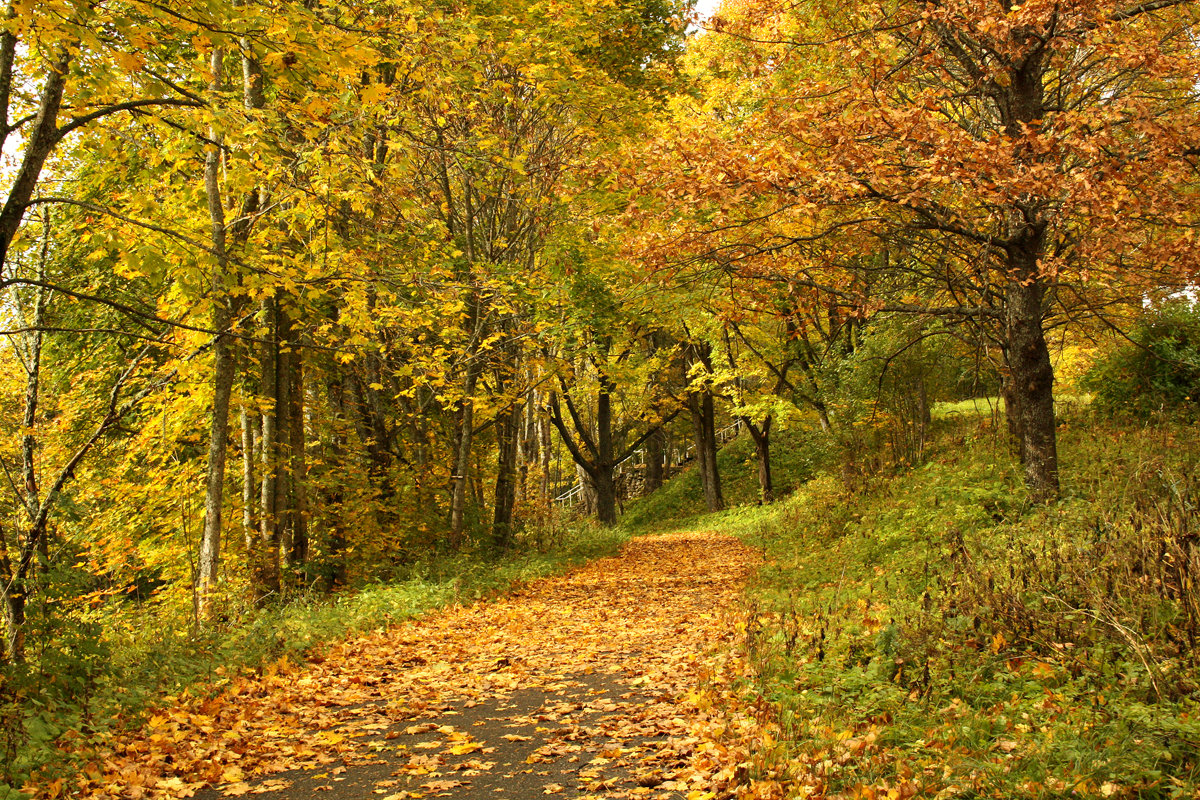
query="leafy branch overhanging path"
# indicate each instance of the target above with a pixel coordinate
(589, 684)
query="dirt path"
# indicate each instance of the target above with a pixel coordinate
(583, 685)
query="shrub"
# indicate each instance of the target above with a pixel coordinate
(1158, 369)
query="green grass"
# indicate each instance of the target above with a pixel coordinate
(795, 457)
(935, 634)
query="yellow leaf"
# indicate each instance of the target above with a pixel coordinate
(130, 62)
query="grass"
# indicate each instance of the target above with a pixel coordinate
(795, 457)
(933, 635)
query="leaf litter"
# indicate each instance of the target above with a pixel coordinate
(617, 680)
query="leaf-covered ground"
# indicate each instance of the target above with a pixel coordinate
(611, 681)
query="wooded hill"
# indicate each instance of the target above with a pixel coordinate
(305, 296)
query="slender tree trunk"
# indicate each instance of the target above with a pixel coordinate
(508, 428)
(249, 481)
(528, 452)
(33, 377)
(12, 596)
(208, 562)
(298, 465)
(704, 419)
(42, 135)
(283, 528)
(547, 449)
(6, 576)
(823, 418)
(335, 499)
(267, 555)
(14, 621)
(762, 449)
(462, 459)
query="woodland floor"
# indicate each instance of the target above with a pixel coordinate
(600, 683)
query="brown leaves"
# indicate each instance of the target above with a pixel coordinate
(641, 623)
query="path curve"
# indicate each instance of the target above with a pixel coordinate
(588, 684)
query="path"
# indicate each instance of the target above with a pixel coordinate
(582, 685)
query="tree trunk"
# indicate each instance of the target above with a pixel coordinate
(605, 487)
(655, 452)
(1012, 412)
(462, 459)
(508, 427)
(266, 559)
(335, 499)
(704, 419)
(42, 135)
(547, 450)
(208, 562)
(1032, 375)
(281, 533)
(14, 621)
(298, 465)
(249, 482)
(208, 566)
(762, 449)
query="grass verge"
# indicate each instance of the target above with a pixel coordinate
(935, 636)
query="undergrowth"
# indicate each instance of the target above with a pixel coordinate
(113, 661)
(933, 635)
(796, 455)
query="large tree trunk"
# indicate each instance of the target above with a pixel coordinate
(603, 481)
(605, 487)
(704, 419)
(1032, 373)
(1012, 410)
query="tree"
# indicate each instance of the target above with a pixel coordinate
(1015, 160)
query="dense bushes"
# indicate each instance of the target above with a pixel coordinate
(1157, 369)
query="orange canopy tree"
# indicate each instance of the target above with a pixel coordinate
(1000, 163)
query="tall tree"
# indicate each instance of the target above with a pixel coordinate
(1015, 159)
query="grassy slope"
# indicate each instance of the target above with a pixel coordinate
(934, 636)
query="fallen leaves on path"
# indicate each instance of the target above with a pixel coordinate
(659, 621)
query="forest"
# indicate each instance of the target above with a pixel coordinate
(327, 317)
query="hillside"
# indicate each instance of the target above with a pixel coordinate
(936, 635)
